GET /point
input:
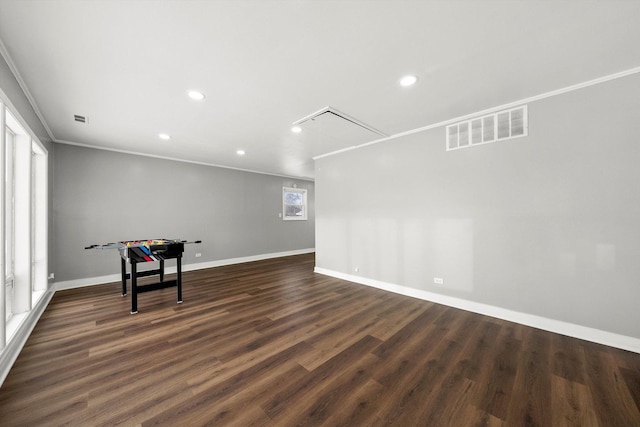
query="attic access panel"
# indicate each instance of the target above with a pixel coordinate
(329, 130)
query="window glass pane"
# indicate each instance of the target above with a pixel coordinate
(33, 219)
(9, 215)
(294, 210)
(9, 301)
(293, 198)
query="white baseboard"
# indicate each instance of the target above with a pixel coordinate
(10, 353)
(90, 281)
(551, 325)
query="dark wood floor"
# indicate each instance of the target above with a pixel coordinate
(271, 343)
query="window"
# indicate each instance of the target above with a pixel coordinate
(9, 219)
(39, 226)
(23, 221)
(294, 204)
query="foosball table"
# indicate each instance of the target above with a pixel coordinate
(142, 251)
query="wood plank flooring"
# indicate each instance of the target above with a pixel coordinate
(271, 343)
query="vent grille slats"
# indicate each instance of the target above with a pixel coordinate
(463, 134)
(498, 126)
(517, 123)
(476, 131)
(503, 125)
(488, 132)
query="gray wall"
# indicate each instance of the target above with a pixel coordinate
(547, 225)
(12, 89)
(102, 196)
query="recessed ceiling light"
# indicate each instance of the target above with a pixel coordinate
(408, 81)
(194, 94)
(240, 152)
(296, 129)
(164, 136)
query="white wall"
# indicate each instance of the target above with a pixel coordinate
(547, 225)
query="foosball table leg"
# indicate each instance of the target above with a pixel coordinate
(179, 278)
(134, 288)
(123, 265)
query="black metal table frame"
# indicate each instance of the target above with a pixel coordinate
(135, 289)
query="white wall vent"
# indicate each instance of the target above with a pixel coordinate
(80, 119)
(498, 126)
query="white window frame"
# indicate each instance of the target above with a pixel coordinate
(304, 204)
(3, 293)
(8, 210)
(27, 229)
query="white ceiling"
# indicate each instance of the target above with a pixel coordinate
(264, 65)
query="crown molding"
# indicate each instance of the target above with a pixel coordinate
(491, 110)
(25, 89)
(175, 159)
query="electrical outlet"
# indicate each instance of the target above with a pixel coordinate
(198, 254)
(357, 269)
(438, 280)
(51, 276)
